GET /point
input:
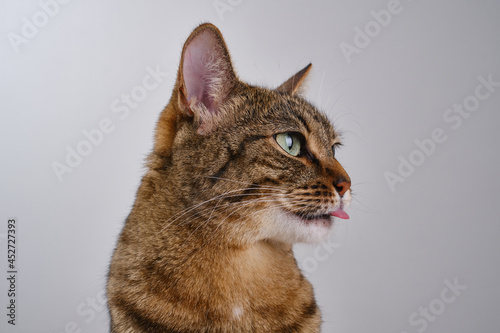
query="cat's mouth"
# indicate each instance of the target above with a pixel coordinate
(310, 224)
(339, 212)
(300, 226)
(326, 213)
(312, 217)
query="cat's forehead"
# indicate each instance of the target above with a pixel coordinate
(306, 115)
(290, 113)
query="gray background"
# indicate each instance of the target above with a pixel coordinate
(380, 270)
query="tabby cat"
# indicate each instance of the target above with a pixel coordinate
(238, 173)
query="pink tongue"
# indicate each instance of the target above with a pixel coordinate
(340, 213)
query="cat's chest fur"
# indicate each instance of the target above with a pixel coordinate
(200, 288)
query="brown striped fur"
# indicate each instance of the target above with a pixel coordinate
(207, 246)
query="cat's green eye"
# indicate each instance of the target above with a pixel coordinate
(290, 142)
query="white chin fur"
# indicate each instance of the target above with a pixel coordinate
(289, 228)
(346, 200)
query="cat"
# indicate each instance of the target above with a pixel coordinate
(238, 173)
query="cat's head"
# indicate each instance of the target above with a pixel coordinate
(245, 161)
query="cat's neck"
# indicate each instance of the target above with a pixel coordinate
(218, 252)
(237, 272)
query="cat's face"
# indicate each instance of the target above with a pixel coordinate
(314, 185)
(250, 162)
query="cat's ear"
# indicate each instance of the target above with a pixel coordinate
(206, 76)
(293, 84)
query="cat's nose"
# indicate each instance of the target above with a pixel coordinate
(342, 187)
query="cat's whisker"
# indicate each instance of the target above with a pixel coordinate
(214, 208)
(328, 100)
(340, 115)
(321, 87)
(247, 205)
(272, 208)
(254, 213)
(360, 183)
(335, 103)
(231, 204)
(280, 205)
(247, 183)
(221, 196)
(357, 203)
(227, 206)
